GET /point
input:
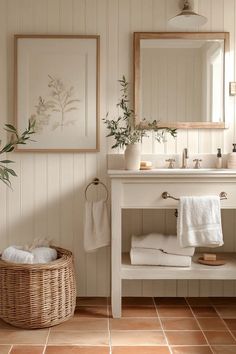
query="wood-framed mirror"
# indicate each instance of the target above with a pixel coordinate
(180, 79)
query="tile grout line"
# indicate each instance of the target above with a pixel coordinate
(11, 347)
(169, 347)
(199, 325)
(234, 337)
(109, 331)
(45, 347)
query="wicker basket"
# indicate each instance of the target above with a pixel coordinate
(38, 295)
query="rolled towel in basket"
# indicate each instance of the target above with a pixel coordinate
(148, 256)
(44, 254)
(166, 243)
(15, 254)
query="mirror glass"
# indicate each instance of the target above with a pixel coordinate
(180, 82)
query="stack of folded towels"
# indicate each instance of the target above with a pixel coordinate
(38, 252)
(158, 249)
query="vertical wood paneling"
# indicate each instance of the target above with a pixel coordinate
(103, 256)
(40, 12)
(27, 187)
(53, 12)
(48, 195)
(40, 196)
(3, 114)
(205, 135)
(112, 61)
(14, 196)
(218, 24)
(229, 25)
(53, 160)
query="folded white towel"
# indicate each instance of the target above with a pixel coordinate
(97, 225)
(44, 254)
(15, 254)
(199, 222)
(168, 244)
(148, 256)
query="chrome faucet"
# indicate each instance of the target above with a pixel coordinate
(185, 158)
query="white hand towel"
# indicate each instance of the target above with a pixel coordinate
(97, 225)
(168, 244)
(15, 254)
(148, 256)
(44, 254)
(199, 222)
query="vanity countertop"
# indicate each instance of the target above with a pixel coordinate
(175, 172)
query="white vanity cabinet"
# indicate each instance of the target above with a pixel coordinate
(143, 190)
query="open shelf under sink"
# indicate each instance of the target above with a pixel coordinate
(196, 271)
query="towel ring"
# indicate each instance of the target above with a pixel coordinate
(95, 182)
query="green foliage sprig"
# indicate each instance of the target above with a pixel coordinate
(16, 139)
(123, 128)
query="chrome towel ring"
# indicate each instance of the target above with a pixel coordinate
(95, 182)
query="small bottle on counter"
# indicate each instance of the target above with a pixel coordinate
(231, 161)
(219, 158)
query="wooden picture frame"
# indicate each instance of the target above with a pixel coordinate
(57, 86)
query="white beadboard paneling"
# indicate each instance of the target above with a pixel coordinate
(182, 287)
(112, 62)
(53, 195)
(66, 200)
(66, 15)
(78, 217)
(205, 135)
(229, 25)
(27, 202)
(135, 15)
(40, 13)
(91, 258)
(53, 17)
(48, 194)
(193, 288)
(41, 195)
(228, 288)
(159, 15)
(3, 113)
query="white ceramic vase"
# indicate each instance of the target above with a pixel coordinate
(132, 156)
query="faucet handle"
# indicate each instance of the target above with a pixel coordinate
(171, 163)
(197, 163)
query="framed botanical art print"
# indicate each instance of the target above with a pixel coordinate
(57, 87)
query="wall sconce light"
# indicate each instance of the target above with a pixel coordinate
(187, 17)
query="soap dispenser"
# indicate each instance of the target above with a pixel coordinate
(231, 162)
(219, 158)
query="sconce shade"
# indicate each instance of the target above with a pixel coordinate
(187, 17)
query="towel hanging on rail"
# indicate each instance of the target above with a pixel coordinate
(97, 224)
(199, 222)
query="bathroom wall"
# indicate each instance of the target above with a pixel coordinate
(47, 197)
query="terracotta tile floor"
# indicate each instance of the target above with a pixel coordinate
(148, 326)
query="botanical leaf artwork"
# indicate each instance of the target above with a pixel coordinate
(54, 111)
